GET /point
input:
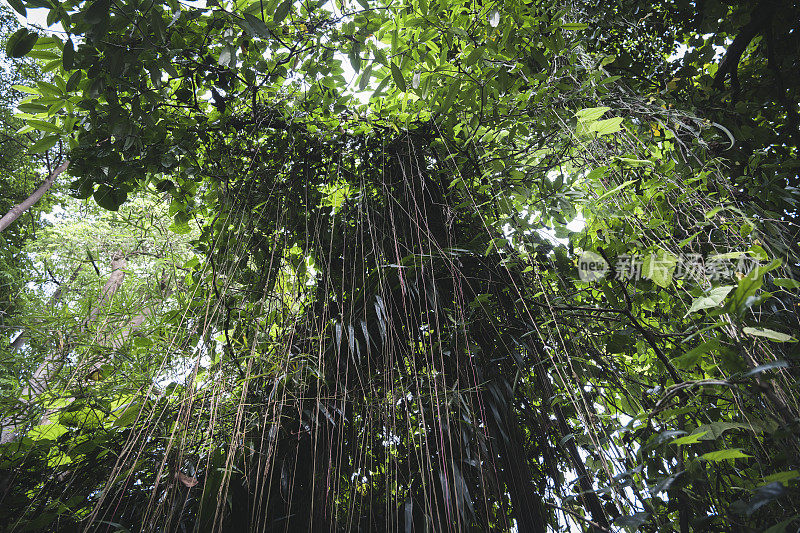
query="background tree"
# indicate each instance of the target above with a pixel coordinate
(17, 168)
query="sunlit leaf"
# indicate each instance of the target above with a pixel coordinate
(769, 334)
(607, 126)
(787, 283)
(591, 113)
(722, 455)
(694, 438)
(713, 299)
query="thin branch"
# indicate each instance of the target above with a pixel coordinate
(15, 212)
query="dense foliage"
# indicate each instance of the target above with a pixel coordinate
(17, 167)
(341, 280)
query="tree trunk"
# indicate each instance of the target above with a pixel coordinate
(14, 213)
(44, 373)
(123, 334)
(526, 501)
(118, 264)
(760, 20)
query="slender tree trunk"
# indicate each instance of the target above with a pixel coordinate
(41, 377)
(118, 264)
(136, 322)
(508, 439)
(15, 212)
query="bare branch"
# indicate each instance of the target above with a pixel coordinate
(14, 213)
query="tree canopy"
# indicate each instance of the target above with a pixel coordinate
(404, 266)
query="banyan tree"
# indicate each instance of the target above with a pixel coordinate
(440, 267)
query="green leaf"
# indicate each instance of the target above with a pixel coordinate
(631, 162)
(42, 125)
(48, 89)
(619, 343)
(591, 113)
(108, 197)
(44, 144)
(452, 92)
(770, 334)
(607, 126)
(355, 58)
(722, 455)
(690, 358)
(397, 76)
(597, 174)
(97, 12)
(660, 267)
(787, 283)
(180, 224)
(255, 26)
(282, 11)
(47, 431)
(714, 430)
(21, 42)
(688, 239)
(18, 6)
(165, 185)
(694, 438)
(539, 57)
(380, 57)
(614, 190)
(384, 82)
(714, 298)
(574, 26)
(23, 89)
(73, 81)
(782, 477)
(128, 416)
(749, 285)
(142, 342)
(473, 57)
(725, 257)
(365, 77)
(758, 252)
(32, 107)
(68, 55)
(607, 60)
